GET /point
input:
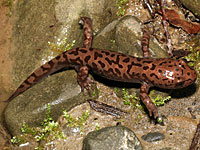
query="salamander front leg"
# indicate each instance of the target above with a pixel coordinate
(82, 77)
(147, 101)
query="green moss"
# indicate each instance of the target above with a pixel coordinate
(122, 6)
(131, 99)
(46, 133)
(76, 122)
(49, 130)
(157, 99)
(194, 60)
(61, 45)
(97, 127)
(9, 4)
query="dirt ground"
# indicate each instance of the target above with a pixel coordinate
(5, 63)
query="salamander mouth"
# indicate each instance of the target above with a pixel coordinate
(180, 84)
(184, 83)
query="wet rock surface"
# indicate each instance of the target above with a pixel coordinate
(31, 36)
(112, 138)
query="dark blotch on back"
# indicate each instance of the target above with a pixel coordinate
(96, 55)
(117, 60)
(117, 70)
(105, 52)
(94, 65)
(28, 83)
(65, 55)
(51, 63)
(126, 60)
(138, 59)
(75, 61)
(87, 58)
(112, 55)
(43, 68)
(164, 62)
(108, 60)
(145, 77)
(110, 70)
(165, 79)
(146, 67)
(91, 49)
(74, 53)
(129, 68)
(83, 51)
(183, 66)
(101, 63)
(153, 74)
(147, 61)
(136, 64)
(153, 67)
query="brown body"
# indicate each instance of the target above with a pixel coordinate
(163, 72)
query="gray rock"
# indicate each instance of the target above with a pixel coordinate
(61, 91)
(126, 34)
(112, 138)
(128, 38)
(152, 137)
(192, 5)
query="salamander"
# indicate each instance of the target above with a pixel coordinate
(164, 73)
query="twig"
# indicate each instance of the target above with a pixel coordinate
(147, 5)
(104, 108)
(195, 145)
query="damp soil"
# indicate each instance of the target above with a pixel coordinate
(5, 65)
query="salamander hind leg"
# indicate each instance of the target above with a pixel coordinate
(87, 27)
(147, 101)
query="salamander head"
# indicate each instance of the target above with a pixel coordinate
(175, 74)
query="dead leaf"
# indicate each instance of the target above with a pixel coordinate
(173, 17)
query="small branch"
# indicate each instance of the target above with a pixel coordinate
(147, 5)
(104, 108)
(195, 145)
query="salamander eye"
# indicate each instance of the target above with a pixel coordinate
(188, 73)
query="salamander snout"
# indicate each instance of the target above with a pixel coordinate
(186, 75)
(174, 74)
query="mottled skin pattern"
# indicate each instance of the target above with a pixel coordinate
(164, 73)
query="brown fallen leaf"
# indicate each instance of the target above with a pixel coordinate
(173, 17)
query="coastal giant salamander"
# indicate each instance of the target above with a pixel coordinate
(163, 72)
